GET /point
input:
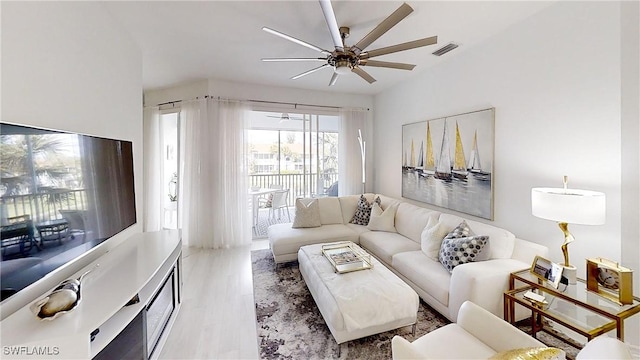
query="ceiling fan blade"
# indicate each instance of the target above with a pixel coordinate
(334, 78)
(309, 71)
(292, 59)
(332, 23)
(363, 74)
(400, 47)
(386, 64)
(284, 117)
(403, 11)
(297, 41)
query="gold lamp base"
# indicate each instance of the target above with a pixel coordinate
(568, 238)
(569, 270)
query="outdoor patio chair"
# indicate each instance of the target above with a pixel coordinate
(265, 202)
(279, 202)
(75, 219)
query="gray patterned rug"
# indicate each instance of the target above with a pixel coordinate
(290, 325)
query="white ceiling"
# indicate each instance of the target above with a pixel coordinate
(183, 41)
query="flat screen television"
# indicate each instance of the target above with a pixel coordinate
(61, 194)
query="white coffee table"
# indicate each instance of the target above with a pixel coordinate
(359, 303)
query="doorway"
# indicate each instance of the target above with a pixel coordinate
(295, 151)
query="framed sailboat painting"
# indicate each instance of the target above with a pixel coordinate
(448, 162)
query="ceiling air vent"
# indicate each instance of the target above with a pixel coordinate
(445, 49)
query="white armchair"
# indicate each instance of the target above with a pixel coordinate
(479, 334)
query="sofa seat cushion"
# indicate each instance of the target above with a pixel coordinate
(283, 239)
(426, 273)
(448, 342)
(359, 229)
(384, 244)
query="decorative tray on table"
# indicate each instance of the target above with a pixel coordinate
(346, 257)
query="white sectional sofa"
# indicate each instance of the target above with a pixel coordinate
(481, 282)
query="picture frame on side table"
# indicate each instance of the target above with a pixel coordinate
(610, 280)
(547, 271)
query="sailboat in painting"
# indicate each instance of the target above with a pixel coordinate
(404, 161)
(475, 164)
(430, 162)
(459, 163)
(412, 161)
(420, 164)
(443, 168)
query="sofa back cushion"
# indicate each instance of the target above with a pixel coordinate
(501, 241)
(330, 210)
(411, 220)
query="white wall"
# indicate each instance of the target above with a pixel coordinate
(555, 81)
(69, 66)
(630, 37)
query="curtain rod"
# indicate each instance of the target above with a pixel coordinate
(262, 102)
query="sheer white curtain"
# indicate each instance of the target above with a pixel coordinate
(153, 194)
(215, 212)
(350, 164)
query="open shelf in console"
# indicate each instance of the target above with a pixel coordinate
(140, 265)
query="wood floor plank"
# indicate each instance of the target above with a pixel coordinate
(217, 318)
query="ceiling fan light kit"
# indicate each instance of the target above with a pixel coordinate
(345, 59)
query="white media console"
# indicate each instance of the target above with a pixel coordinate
(147, 265)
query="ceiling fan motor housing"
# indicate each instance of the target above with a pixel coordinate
(342, 63)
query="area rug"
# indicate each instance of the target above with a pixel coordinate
(290, 325)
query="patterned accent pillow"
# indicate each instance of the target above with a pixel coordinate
(363, 212)
(462, 230)
(458, 251)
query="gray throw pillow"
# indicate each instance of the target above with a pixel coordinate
(458, 251)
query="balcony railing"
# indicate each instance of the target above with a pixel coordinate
(299, 185)
(43, 206)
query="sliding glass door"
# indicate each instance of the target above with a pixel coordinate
(169, 131)
(298, 151)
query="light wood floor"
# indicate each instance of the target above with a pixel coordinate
(217, 318)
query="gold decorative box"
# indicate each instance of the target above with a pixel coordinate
(610, 280)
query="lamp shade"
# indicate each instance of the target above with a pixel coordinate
(571, 206)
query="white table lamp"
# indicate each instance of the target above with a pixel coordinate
(566, 206)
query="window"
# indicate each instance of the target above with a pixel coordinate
(300, 153)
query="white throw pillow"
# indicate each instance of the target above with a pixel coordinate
(431, 238)
(307, 215)
(382, 220)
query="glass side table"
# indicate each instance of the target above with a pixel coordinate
(572, 306)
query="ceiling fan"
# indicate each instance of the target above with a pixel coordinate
(285, 117)
(345, 59)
